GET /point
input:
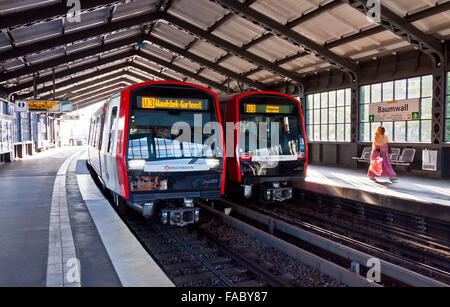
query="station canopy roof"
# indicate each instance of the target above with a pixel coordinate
(226, 45)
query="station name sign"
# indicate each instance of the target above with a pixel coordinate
(172, 103)
(394, 111)
(269, 109)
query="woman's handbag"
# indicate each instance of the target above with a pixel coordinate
(376, 166)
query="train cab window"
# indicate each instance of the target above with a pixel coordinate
(112, 129)
(283, 133)
(170, 123)
(154, 135)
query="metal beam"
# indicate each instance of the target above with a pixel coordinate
(103, 71)
(100, 90)
(402, 28)
(438, 9)
(121, 56)
(182, 71)
(77, 36)
(235, 50)
(97, 98)
(99, 72)
(98, 94)
(136, 75)
(120, 74)
(204, 62)
(94, 87)
(153, 72)
(77, 69)
(69, 58)
(305, 17)
(290, 35)
(86, 84)
(46, 12)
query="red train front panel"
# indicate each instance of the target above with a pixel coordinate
(270, 147)
(163, 146)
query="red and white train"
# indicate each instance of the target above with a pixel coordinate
(153, 148)
(269, 147)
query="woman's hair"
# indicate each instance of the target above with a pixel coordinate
(380, 138)
(380, 131)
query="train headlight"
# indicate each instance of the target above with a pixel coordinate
(197, 215)
(136, 164)
(213, 163)
(164, 217)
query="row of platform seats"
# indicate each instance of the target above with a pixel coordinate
(404, 158)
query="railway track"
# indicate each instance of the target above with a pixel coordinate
(287, 225)
(192, 257)
(431, 254)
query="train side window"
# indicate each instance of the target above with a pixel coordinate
(102, 125)
(96, 134)
(90, 134)
(112, 129)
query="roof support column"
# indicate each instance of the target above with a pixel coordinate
(302, 99)
(439, 104)
(354, 132)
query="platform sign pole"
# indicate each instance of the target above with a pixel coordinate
(35, 77)
(54, 86)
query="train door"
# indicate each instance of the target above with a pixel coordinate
(110, 139)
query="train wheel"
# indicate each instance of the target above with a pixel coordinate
(120, 204)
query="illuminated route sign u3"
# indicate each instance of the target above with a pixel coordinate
(172, 103)
(266, 108)
(44, 106)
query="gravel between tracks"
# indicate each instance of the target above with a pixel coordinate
(302, 274)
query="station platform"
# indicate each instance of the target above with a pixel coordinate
(58, 230)
(426, 197)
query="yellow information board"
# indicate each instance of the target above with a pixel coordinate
(44, 106)
(268, 109)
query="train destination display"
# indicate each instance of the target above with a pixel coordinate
(172, 103)
(394, 111)
(265, 108)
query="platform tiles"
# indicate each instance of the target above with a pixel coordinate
(416, 195)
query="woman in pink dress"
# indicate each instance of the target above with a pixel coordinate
(380, 148)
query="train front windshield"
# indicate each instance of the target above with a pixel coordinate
(158, 135)
(171, 127)
(270, 126)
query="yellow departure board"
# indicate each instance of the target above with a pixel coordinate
(44, 106)
(266, 108)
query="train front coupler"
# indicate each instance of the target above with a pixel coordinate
(181, 215)
(276, 192)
